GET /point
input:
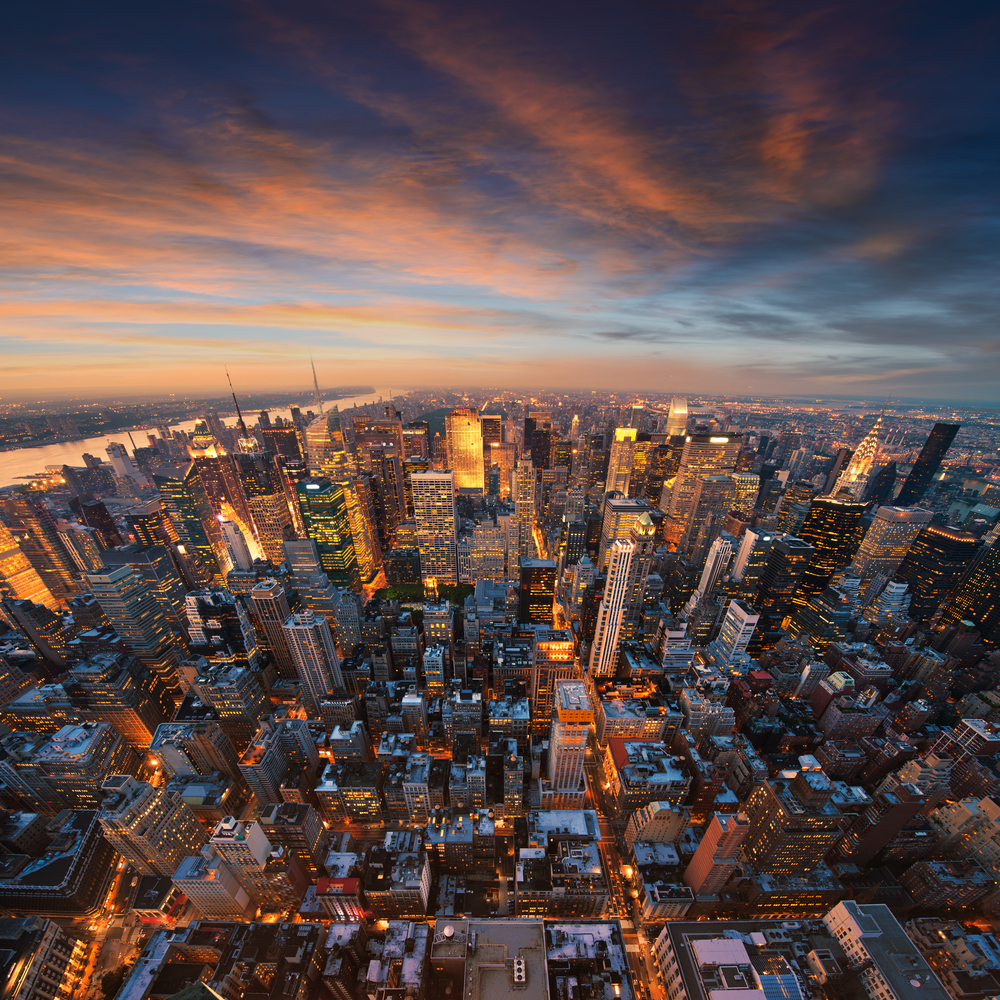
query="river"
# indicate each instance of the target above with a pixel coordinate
(28, 461)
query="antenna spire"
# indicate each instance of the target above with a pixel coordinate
(239, 416)
(319, 398)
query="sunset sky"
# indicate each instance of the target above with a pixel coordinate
(719, 197)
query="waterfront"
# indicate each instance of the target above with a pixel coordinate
(14, 465)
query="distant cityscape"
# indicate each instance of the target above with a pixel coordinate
(492, 695)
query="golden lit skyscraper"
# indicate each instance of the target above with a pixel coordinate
(34, 529)
(434, 514)
(893, 530)
(677, 418)
(703, 454)
(267, 503)
(854, 478)
(18, 578)
(186, 503)
(620, 462)
(747, 487)
(325, 445)
(465, 448)
(360, 499)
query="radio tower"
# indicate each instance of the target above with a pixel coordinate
(319, 398)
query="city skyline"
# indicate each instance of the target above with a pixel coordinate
(738, 199)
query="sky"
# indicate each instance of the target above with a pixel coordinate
(731, 196)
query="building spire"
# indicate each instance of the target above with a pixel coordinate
(319, 398)
(245, 444)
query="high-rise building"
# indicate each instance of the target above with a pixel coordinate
(121, 690)
(793, 822)
(271, 876)
(436, 531)
(854, 478)
(553, 659)
(620, 460)
(830, 528)
(677, 417)
(712, 501)
(703, 454)
(236, 544)
(155, 829)
(34, 529)
(40, 960)
(186, 503)
(155, 564)
(620, 513)
(787, 561)
(746, 486)
(314, 654)
(65, 769)
(309, 580)
(977, 598)
(566, 787)
(893, 530)
(736, 631)
(893, 804)
(324, 507)
(928, 462)
(611, 614)
(18, 578)
(325, 448)
(361, 500)
(194, 750)
(264, 489)
(220, 629)
(933, 566)
(269, 606)
(523, 492)
(298, 828)
(537, 591)
(465, 448)
(716, 859)
(210, 884)
(238, 698)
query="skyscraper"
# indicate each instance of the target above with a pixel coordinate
(34, 529)
(186, 504)
(933, 566)
(435, 516)
(978, 596)
(523, 492)
(893, 530)
(928, 462)
(793, 823)
(134, 609)
(854, 478)
(220, 629)
(465, 448)
(153, 828)
(236, 544)
(324, 512)
(607, 634)
(712, 501)
(830, 527)
(537, 590)
(781, 575)
(703, 454)
(325, 447)
(359, 495)
(264, 489)
(677, 417)
(716, 859)
(620, 513)
(746, 486)
(566, 787)
(314, 654)
(18, 578)
(620, 461)
(269, 605)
